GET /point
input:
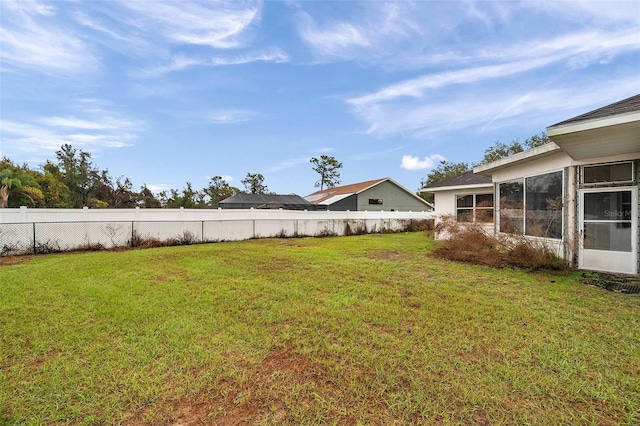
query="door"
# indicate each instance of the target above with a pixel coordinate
(608, 230)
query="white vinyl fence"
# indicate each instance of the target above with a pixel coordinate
(24, 231)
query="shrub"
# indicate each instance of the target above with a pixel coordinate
(355, 228)
(325, 233)
(470, 242)
(48, 246)
(187, 238)
(419, 225)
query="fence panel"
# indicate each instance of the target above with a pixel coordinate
(66, 236)
(316, 227)
(184, 232)
(235, 230)
(16, 238)
(275, 228)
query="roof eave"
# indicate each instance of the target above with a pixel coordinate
(457, 187)
(597, 123)
(521, 157)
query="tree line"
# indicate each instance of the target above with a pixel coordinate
(446, 170)
(72, 180)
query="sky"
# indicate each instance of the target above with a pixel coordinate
(169, 92)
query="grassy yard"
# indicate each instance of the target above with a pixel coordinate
(366, 329)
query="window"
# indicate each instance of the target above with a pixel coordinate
(607, 221)
(375, 200)
(607, 173)
(543, 211)
(532, 206)
(474, 208)
(512, 207)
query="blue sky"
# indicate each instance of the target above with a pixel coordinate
(166, 92)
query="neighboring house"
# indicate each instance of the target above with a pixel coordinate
(380, 194)
(266, 201)
(468, 197)
(579, 192)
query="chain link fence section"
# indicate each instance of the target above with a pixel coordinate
(16, 239)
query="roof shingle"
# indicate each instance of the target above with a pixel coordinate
(468, 178)
(630, 104)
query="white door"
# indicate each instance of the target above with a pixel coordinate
(608, 230)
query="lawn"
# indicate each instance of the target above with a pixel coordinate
(369, 329)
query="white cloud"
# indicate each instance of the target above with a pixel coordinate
(231, 116)
(335, 39)
(270, 55)
(219, 24)
(31, 40)
(177, 63)
(410, 162)
(584, 11)
(488, 95)
(99, 129)
(288, 164)
(76, 123)
(582, 48)
(31, 7)
(492, 107)
(158, 187)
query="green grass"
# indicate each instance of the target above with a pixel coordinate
(366, 329)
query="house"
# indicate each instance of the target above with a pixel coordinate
(379, 194)
(579, 193)
(266, 201)
(468, 197)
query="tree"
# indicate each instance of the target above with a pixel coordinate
(174, 199)
(327, 167)
(501, 150)
(76, 174)
(146, 199)
(217, 191)
(21, 185)
(445, 170)
(254, 183)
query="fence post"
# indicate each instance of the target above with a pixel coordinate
(34, 238)
(132, 232)
(202, 232)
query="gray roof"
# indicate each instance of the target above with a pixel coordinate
(267, 201)
(631, 104)
(468, 178)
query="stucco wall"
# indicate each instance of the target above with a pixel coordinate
(445, 201)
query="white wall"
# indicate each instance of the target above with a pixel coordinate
(445, 201)
(41, 230)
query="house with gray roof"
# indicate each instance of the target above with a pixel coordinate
(266, 201)
(468, 197)
(579, 193)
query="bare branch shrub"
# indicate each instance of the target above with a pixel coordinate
(187, 238)
(48, 246)
(325, 233)
(112, 230)
(471, 242)
(419, 225)
(354, 228)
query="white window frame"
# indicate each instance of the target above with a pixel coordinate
(475, 207)
(523, 179)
